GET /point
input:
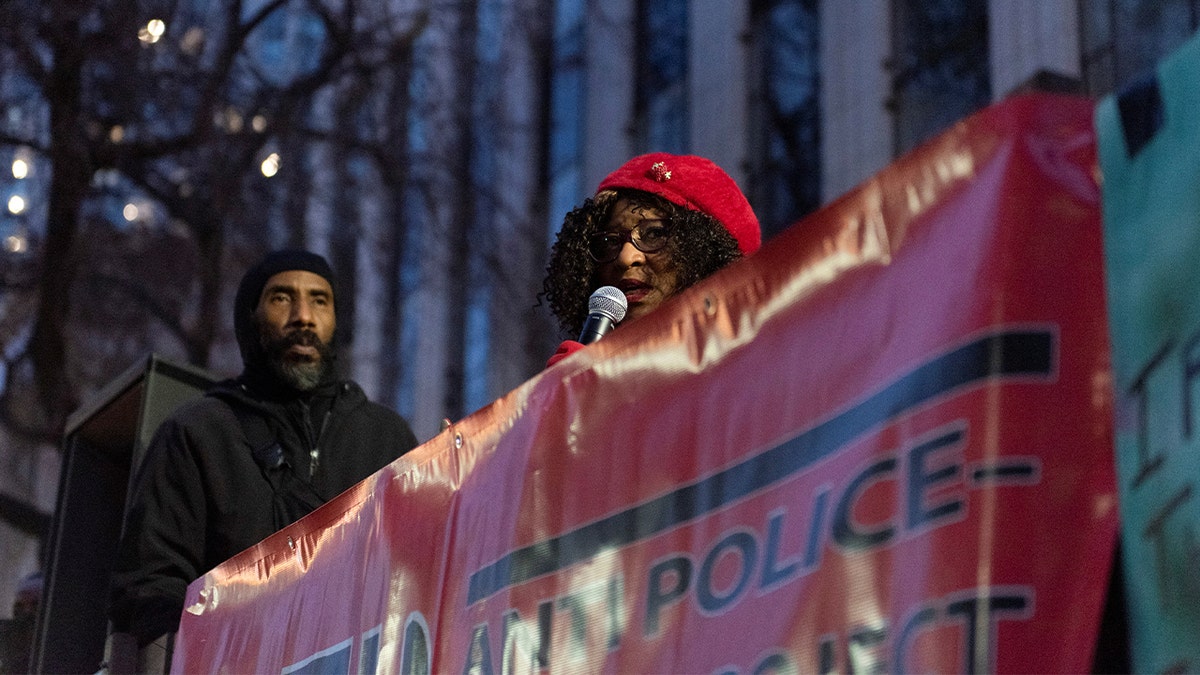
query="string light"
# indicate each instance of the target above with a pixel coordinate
(152, 32)
(270, 165)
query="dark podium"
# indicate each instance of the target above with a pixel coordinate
(103, 444)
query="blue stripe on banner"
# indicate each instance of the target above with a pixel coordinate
(1010, 353)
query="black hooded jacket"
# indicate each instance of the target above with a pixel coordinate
(227, 470)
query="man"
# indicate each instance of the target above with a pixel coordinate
(657, 225)
(255, 453)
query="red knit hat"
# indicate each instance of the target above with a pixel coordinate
(694, 183)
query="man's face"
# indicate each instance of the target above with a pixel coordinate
(295, 324)
(647, 279)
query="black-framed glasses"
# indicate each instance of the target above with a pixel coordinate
(648, 236)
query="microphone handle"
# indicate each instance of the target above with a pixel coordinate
(595, 327)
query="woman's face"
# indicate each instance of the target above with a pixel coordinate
(647, 279)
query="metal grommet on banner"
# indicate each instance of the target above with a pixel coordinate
(710, 305)
(291, 543)
(458, 441)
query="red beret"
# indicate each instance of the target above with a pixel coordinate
(694, 183)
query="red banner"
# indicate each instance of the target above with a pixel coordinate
(882, 443)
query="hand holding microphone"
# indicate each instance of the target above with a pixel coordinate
(606, 308)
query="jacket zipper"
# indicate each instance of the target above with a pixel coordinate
(314, 455)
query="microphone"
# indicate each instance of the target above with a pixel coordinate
(606, 308)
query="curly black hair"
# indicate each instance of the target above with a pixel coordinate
(699, 245)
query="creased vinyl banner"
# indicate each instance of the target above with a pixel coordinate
(1150, 153)
(882, 443)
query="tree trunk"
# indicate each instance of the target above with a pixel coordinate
(345, 216)
(462, 218)
(72, 172)
(394, 173)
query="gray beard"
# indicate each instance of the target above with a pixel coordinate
(301, 376)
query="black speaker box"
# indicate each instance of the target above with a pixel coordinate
(103, 443)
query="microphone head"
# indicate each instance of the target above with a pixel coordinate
(609, 301)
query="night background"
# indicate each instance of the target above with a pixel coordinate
(151, 151)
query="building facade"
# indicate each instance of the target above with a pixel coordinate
(800, 100)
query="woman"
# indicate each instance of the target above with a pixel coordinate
(655, 226)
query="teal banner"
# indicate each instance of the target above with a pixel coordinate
(1149, 136)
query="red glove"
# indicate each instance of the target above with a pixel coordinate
(567, 348)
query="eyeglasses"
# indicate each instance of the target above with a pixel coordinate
(649, 236)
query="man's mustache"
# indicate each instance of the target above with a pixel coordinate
(278, 347)
(302, 337)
